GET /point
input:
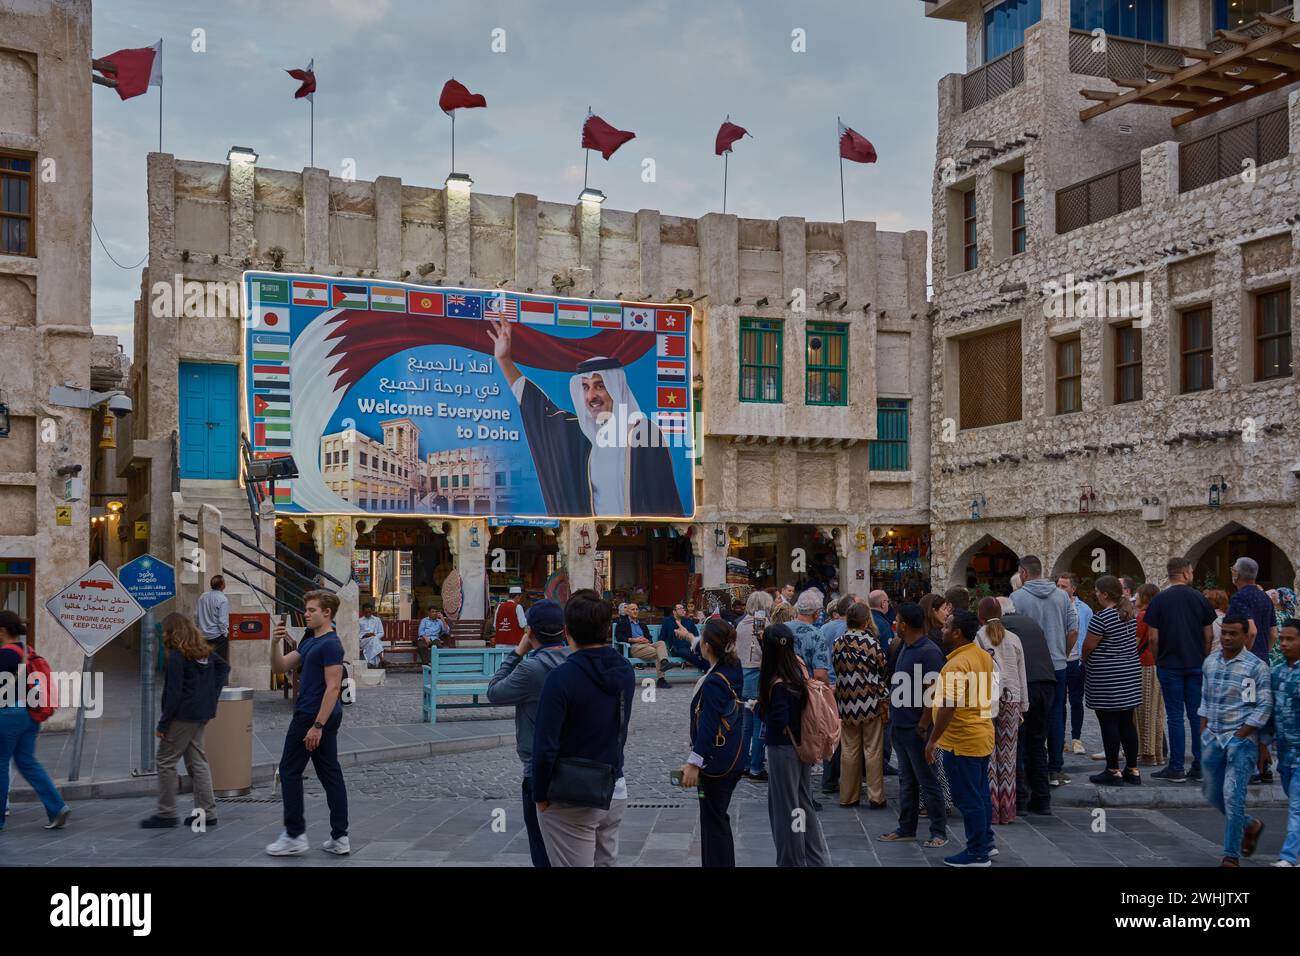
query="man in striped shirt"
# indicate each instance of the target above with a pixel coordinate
(1236, 702)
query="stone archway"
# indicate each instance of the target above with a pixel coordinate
(988, 562)
(1095, 554)
(1213, 554)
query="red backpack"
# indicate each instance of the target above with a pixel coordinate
(38, 674)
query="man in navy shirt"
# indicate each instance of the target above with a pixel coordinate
(1180, 627)
(314, 730)
(1251, 602)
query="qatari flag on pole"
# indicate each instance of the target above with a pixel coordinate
(728, 133)
(855, 147)
(456, 96)
(599, 135)
(135, 70)
(307, 78)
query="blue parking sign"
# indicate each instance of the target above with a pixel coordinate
(149, 580)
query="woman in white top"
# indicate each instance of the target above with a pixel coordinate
(1013, 700)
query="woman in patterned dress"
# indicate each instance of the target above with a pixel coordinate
(862, 697)
(1013, 700)
(1113, 680)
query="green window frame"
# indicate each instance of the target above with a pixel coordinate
(826, 346)
(891, 450)
(761, 360)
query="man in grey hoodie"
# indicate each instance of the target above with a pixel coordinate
(519, 682)
(1054, 612)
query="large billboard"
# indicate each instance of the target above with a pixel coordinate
(404, 399)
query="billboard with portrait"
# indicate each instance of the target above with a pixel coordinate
(405, 399)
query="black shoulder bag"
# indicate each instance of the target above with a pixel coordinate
(587, 783)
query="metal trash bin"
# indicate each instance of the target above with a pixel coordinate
(229, 743)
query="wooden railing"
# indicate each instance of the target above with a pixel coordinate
(993, 79)
(1099, 198)
(1119, 58)
(1260, 139)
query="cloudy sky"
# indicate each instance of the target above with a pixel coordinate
(670, 70)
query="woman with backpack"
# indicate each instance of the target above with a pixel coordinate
(18, 727)
(192, 685)
(783, 692)
(717, 731)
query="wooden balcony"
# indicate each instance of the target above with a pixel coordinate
(993, 79)
(1099, 198)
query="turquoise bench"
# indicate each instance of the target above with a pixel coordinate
(685, 668)
(459, 672)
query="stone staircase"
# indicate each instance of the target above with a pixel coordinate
(230, 500)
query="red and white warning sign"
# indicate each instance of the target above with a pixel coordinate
(94, 608)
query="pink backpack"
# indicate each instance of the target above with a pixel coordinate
(820, 726)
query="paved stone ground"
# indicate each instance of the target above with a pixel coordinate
(442, 810)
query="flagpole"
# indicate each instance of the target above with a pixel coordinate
(725, 156)
(160, 117)
(312, 135)
(843, 216)
(453, 141)
(587, 159)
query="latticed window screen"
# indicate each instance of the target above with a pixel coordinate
(760, 360)
(1263, 139)
(969, 237)
(1197, 351)
(1099, 198)
(989, 365)
(1273, 334)
(889, 450)
(993, 79)
(1069, 376)
(1128, 364)
(827, 362)
(1018, 228)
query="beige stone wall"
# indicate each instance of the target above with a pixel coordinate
(211, 221)
(1214, 246)
(45, 302)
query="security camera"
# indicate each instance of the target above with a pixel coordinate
(120, 405)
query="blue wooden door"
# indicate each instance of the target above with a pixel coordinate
(209, 413)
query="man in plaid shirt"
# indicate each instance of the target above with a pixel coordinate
(1236, 703)
(1286, 719)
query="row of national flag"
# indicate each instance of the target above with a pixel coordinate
(271, 420)
(271, 297)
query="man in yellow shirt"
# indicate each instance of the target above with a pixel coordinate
(963, 734)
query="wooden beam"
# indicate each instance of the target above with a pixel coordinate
(1242, 97)
(1232, 36)
(1196, 53)
(1273, 20)
(1227, 59)
(1101, 95)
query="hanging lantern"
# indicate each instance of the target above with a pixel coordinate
(340, 533)
(975, 509)
(1218, 485)
(861, 540)
(719, 537)
(585, 544)
(473, 536)
(106, 439)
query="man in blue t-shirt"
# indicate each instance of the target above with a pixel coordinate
(314, 730)
(1180, 627)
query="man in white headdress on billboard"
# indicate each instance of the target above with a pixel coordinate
(584, 465)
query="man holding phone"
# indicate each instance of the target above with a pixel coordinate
(313, 732)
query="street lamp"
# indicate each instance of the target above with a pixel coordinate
(719, 538)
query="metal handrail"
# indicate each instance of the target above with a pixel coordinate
(283, 549)
(296, 608)
(311, 585)
(252, 489)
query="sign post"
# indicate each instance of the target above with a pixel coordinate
(150, 582)
(94, 608)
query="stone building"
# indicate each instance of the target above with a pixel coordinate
(1142, 156)
(45, 202)
(376, 475)
(804, 334)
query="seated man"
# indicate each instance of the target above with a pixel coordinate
(682, 634)
(371, 636)
(632, 632)
(432, 629)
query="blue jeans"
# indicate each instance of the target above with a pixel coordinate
(917, 785)
(18, 743)
(1182, 692)
(325, 760)
(968, 779)
(1074, 681)
(1056, 729)
(536, 845)
(1227, 771)
(752, 746)
(1291, 784)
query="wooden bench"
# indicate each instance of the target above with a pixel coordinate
(652, 631)
(399, 643)
(459, 672)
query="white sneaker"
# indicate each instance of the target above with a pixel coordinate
(286, 845)
(1079, 748)
(1283, 863)
(339, 847)
(994, 852)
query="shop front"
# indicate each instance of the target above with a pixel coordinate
(400, 566)
(900, 562)
(522, 554)
(772, 556)
(648, 563)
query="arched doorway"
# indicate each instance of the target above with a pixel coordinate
(1213, 558)
(1094, 555)
(986, 567)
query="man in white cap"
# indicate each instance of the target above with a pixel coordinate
(511, 622)
(583, 466)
